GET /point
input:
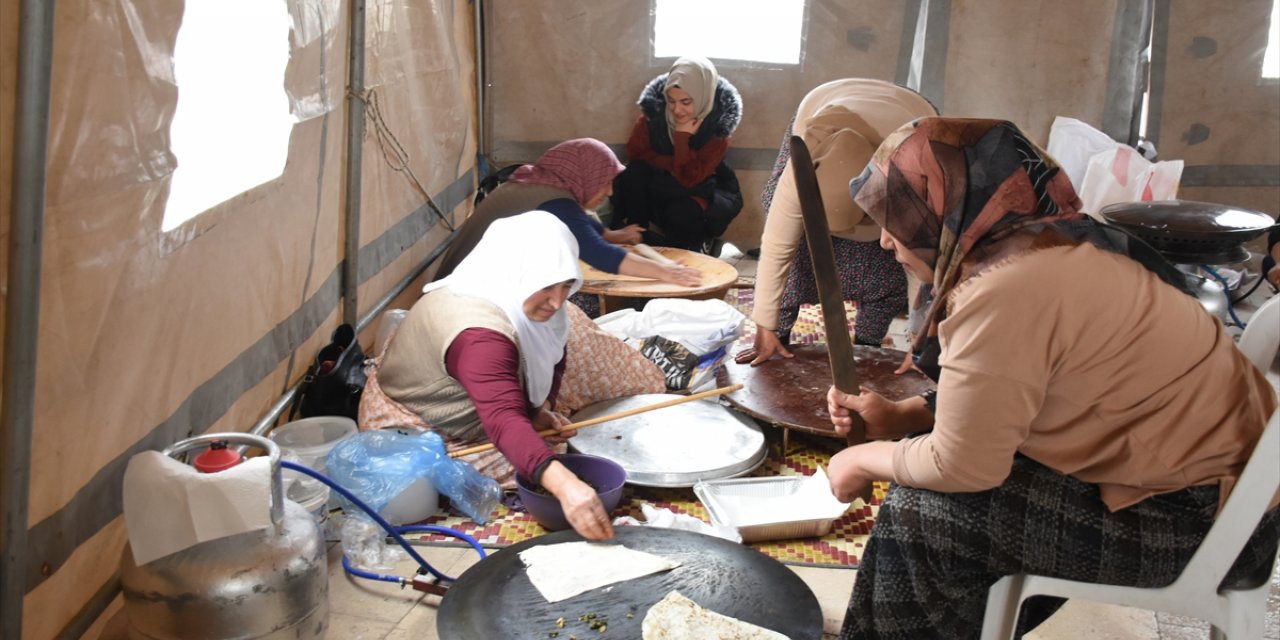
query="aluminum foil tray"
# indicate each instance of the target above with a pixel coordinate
(746, 504)
(675, 446)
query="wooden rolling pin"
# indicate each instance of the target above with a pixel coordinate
(613, 416)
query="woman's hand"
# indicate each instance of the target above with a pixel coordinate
(885, 419)
(630, 234)
(681, 275)
(548, 419)
(581, 505)
(689, 127)
(766, 344)
(850, 475)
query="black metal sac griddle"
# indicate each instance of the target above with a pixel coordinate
(494, 599)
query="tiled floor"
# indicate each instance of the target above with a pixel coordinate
(364, 610)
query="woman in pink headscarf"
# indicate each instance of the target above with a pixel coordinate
(569, 181)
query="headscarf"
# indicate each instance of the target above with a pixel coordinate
(950, 188)
(516, 257)
(697, 76)
(582, 166)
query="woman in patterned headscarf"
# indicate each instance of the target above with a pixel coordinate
(1080, 395)
(677, 185)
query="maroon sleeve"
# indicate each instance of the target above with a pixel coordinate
(486, 363)
(638, 147)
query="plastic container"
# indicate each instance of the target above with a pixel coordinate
(317, 504)
(309, 440)
(416, 503)
(751, 505)
(607, 476)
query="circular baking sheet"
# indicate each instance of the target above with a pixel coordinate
(495, 599)
(792, 392)
(675, 446)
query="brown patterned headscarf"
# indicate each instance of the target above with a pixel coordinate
(951, 189)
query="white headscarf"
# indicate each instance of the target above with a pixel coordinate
(699, 78)
(516, 257)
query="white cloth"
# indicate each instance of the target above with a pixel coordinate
(516, 257)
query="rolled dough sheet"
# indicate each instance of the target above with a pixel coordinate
(561, 571)
(676, 617)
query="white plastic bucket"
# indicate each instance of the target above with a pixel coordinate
(310, 440)
(417, 502)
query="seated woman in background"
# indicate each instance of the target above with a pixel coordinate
(479, 358)
(1110, 431)
(569, 180)
(842, 122)
(677, 185)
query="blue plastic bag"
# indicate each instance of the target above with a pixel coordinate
(377, 466)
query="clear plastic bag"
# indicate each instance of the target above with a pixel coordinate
(377, 466)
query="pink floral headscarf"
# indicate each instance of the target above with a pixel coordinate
(582, 166)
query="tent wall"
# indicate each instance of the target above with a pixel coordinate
(1210, 107)
(148, 336)
(557, 71)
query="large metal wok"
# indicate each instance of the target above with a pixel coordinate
(494, 599)
(1188, 232)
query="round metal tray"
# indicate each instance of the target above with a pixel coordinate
(672, 447)
(792, 392)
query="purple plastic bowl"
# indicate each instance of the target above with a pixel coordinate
(605, 475)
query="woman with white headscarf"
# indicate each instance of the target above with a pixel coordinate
(677, 184)
(480, 355)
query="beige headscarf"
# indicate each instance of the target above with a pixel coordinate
(843, 122)
(697, 76)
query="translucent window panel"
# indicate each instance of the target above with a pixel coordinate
(230, 132)
(769, 31)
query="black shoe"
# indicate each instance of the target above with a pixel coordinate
(713, 247)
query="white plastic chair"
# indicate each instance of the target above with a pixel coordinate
(1261, 338)
(1239, 612)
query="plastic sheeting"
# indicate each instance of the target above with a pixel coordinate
(1210, 105)
(148, 336)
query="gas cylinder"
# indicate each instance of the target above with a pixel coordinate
(272, 583)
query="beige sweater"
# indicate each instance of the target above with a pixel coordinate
(1085, 362)
(884, 107)
(413, 371)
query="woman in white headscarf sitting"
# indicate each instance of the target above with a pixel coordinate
(479, 359)
(677, 184)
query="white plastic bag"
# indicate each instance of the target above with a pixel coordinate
(1122, 175)
(700, 326)
(1072, 142)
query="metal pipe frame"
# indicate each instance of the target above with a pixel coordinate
(22, 300)
(355, 163)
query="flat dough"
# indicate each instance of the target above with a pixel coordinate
(676, 617)
(561, 571)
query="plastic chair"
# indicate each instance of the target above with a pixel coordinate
(1237, 611)
(1261, 337)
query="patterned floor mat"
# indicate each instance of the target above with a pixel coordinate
(808, 328)
(840, 548)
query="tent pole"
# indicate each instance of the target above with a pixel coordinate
(22, 300)
(482, 141)
(262, 426)
(355, 149)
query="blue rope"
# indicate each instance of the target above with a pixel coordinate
(393, 531)
(1226, 293)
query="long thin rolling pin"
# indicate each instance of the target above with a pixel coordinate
(613, 416)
